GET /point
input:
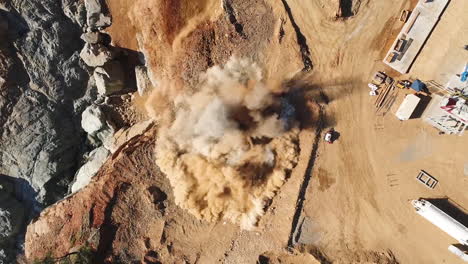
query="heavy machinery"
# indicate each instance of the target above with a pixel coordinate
(379, 78)
(329, 136)
(461, 94)
(403, 84)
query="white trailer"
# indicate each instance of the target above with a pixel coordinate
(442, 220)
(459, 252)
(408, 106)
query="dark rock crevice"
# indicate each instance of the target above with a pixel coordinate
(301, 39)
(227, 6)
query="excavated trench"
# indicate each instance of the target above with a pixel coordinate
(301, 39)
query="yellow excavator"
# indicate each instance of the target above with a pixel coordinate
(403, 84)
(461, 94)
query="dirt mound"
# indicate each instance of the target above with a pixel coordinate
(182, 39)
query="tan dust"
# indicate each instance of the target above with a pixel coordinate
(224, 147)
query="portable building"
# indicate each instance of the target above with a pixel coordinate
(408, 106)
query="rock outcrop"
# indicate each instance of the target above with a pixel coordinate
(97, 14)
(109, 78)
(84, 175)
(13, 215)
(44, 77)
(95, 55)
(44, 88)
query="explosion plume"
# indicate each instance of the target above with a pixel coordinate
(229, 145)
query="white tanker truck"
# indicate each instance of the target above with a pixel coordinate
(445, 222)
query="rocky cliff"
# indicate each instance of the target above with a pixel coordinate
(43, 90)
(44, 93)
(57, 73)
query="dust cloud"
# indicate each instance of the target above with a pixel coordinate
(228, 145)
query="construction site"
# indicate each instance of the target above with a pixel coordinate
(413, 133)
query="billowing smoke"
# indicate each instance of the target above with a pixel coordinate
(229, 145)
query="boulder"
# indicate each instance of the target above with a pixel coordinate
(142, 80)
(84, 175)
(109, 78)
(95, 55)
(93, 37)
(93, 120)
(97, 15)
(99, 129)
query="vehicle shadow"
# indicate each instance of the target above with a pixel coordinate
(451, 208)
(336, 135)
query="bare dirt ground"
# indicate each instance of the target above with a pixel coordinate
(361, 186)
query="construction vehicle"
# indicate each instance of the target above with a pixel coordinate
(379, 78)
(403, 84)
(461, 94)
(329, 136)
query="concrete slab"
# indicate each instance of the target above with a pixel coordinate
(443, 54)
(414, 34)
(433, 109)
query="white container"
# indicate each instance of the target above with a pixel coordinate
(408, 106)
(442, 220)
(459, 253)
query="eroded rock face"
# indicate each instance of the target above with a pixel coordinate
(43, 78)
(12, 219)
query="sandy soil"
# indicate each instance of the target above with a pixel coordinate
(362, 184)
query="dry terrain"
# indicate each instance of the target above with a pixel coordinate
(354, 195)
(362, 185)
